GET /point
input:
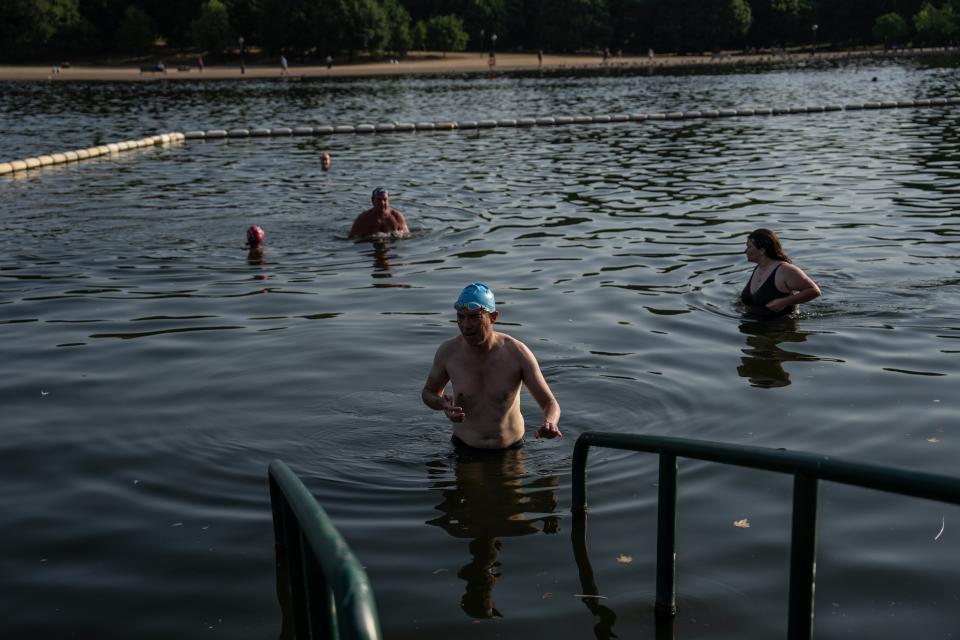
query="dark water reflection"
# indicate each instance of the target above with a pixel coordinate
(491, 498)
(152, 368)
(764, 357)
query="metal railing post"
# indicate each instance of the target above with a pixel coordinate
(803, 557)
(666, 603)
(580, 450)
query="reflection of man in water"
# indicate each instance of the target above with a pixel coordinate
(487, 369)
(381, 218)
(486, 501)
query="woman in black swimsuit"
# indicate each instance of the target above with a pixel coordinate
(776, 286)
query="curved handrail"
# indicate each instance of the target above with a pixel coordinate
(331, 593)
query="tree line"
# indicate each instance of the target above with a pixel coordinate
(33, 29)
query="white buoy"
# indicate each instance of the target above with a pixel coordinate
(303, 131)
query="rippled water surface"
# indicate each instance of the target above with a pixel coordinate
(150, 372)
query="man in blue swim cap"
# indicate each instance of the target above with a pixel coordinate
(380, 219)
(487, 368)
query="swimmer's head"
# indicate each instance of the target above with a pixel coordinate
(476, 296)
(254, 236)
(379, 191)
(767, 241)
(325, 161)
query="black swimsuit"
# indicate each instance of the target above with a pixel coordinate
(756, 302)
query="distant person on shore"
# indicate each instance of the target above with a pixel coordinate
(283, 66)
(776, 286)
(200, 63)
(492, 60)
(255, 237)
(540, 58)
(329, 62)
(380, 219)
(487, 369)
(325, 161)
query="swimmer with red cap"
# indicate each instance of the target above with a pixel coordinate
(486, 369)
(381, 219)
(255, 237)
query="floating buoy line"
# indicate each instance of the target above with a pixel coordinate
(450, 125)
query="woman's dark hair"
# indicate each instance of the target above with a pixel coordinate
(767, 240)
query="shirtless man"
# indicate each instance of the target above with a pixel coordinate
(381, 218)
(487, 368)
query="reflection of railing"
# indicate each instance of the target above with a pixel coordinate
(331, 596)
(806, 469)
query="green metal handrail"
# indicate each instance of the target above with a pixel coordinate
(331, 595)
(807, 469)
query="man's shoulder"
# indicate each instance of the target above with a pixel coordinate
(511, 344)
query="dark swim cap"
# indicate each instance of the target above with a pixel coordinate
(254, 236)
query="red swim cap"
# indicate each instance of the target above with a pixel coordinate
(254, 236)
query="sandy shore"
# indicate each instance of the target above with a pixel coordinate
(422, 64)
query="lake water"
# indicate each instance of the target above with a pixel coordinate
(150, 373)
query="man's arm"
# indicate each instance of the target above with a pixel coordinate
(359, 226)
(540, 390)
(403, 222)
(432, 393)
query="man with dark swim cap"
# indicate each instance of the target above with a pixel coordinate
(325, 161)
(379, 219)
(487, 368)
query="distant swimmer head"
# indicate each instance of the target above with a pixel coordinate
(476, 296)
(255, 236)
(325, 161)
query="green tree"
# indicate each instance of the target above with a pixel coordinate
(935, 25)
(445, 33)
(136, 33)
(571, 25)
(27, 26)
(171, 18)
(419, 35)
(212, 31)
(779, 21)
(890, 29)
(400, 38)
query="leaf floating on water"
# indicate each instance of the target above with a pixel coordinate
(624, 559)
(589, 595)
(742, 524)
(943, 525)
(438, 571)
(933, 440)
(177, 524)
(547, 595)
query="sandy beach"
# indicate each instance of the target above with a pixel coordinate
(423, 63)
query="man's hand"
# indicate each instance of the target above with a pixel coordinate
(549, 430)
(454, 413)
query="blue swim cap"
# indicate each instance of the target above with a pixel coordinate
(476, 296)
